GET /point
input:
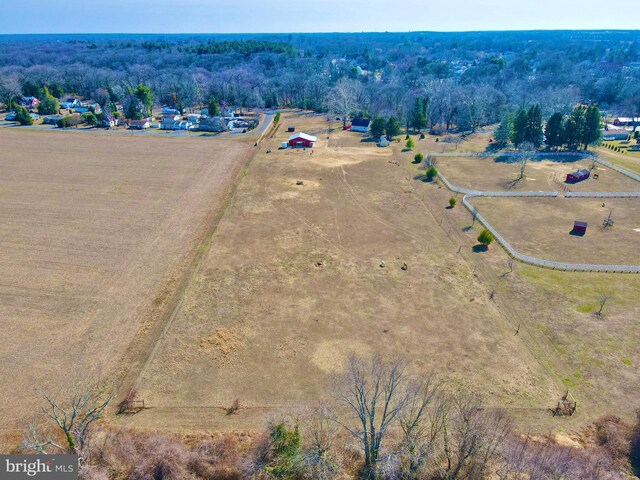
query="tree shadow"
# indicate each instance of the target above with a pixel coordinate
(562, 157)
(368, 140)
(479, 248)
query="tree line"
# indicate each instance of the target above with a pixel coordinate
(581, 128)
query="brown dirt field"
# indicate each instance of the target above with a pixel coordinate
(540, 227)
(487, 174)
(294, 273)
(96, 233)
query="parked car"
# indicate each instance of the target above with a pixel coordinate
(11, 116)
(34, 116)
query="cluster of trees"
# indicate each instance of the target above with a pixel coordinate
(381, 422)
(425, 80)
(578, 130)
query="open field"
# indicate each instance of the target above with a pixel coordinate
(542, 174)
(629, 160)
(292, 285)
(96, 233)
(540, 227)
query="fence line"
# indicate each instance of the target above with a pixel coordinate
(567, 267)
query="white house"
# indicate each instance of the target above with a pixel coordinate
(360, 125)
(170, 111)
(70, 103)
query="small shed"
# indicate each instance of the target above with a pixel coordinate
(302, 140)
(577, 176)
(579, 228)
(291, 129)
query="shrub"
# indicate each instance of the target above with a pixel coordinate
(90, 119)
(452, 202)
(485, 237)
(422, 137)
(22, 116)
(432, 173)
(419, 158)
(410, 144)
(276, 119)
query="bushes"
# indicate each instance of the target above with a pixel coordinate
(276, 119)
(69, 121)
(431, 173)
(90, 119)
(419, 158)
(22, 116)
(410, 144)
(485, 237)
(452, 202)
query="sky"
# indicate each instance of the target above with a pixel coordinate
(267, 16)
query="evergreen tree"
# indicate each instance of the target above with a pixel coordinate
(574, 128)
(393, 127)
(534, 126)
(410, 144)
(48, 105)
(418, 119)
(520, 128)
(22, 116)
(143, 94)
(214, 111)
(377, 127)
(504, 132)
(554, 131)
(591, 133)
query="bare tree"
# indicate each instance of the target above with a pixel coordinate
(9, 90)
(471, 436)
(421, 422)
(344, 98)
(69, 418)
(602, 300)
(321, 428)
(373, 390)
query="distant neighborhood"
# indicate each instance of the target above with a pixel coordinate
(73, 111)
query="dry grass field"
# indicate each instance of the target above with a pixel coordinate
(293, 284)
(540, 227)
(496, 173)
(96, 233)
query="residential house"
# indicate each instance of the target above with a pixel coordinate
(140, 124)
(170, 111)
(29, 102)
(70, 103)
(360, 125)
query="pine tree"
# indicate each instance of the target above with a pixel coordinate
(377, 127)
(554, 131)
(504, 132)
(214, 111)
(534, 126)
(48, 103)
(591, 133)
(418, 114)
(520, 128)
(143, 94)
(393, 127)
(574, 128)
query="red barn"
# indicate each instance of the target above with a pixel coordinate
(577, 176)
(302, 140)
